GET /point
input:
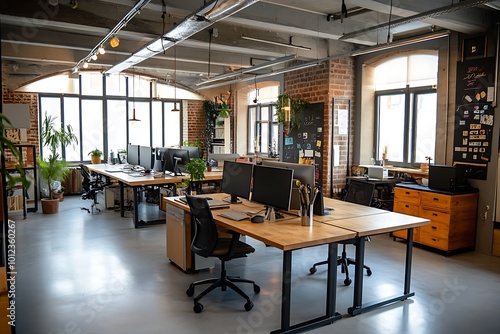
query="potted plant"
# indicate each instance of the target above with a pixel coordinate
(289, 112)
(95, 156)
(196, 169)
(53, 168)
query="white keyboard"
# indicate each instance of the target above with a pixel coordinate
(234, 215)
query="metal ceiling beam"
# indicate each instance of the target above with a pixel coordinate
(190, 25)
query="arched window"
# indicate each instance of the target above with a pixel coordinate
(406, 108)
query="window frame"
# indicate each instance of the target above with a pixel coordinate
(256, 125)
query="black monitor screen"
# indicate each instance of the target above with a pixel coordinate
(179, 158)
(133, 154)
(193, 151)
(303, 173)
(146, 157)
(237, 180)
(272, 186)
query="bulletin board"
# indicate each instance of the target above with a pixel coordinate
(308, 139)
(474, 116)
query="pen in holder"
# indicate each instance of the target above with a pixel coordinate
(307, 198)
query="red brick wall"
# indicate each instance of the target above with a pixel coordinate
(25, 98)
(321, 83)
(195, 124)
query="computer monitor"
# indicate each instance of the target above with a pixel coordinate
(237, 180)
(303, 173)
(272, 187)
(159, 158)
(146, 158)
(179, 158)
(133, 154)
(194, 152)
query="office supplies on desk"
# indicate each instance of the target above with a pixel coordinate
(136, 174)
(234, 215)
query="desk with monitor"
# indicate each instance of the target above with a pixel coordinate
(115, 172)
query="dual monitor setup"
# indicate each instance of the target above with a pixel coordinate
(166, 160)
(272, 184)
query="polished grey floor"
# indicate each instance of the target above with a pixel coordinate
(84, 273)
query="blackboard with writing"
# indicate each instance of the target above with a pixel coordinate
(474, 115)
(307, 140)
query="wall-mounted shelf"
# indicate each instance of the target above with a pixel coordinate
(30, 195)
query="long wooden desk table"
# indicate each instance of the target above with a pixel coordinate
(346, 221)
(117, 173)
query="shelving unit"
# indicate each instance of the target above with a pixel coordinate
(222, 133)
(30, 195)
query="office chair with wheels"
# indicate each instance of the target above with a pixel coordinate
(358, 192)
(208, 243)
(90, 188)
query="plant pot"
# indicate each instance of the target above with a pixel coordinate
(50, 206)
(58, 195)
(95, 159)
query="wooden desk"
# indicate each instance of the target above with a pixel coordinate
(288, 235)
(115, 172)
(371, 224)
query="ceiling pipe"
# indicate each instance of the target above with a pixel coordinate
(422, 16)
(190, 25)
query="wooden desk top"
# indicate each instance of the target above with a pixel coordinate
(343, 210)
(285, 234)
(379, 223)
(104, 169)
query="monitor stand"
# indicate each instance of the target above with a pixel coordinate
(270, 216)
(233, 200)
(177, 171)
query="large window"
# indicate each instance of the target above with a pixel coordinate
(406, 109)
(102, 120)
(263, 126)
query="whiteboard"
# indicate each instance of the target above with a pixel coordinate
(18, 115)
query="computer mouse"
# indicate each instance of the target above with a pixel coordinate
(257, 219)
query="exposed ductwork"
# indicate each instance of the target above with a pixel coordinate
(190, 25)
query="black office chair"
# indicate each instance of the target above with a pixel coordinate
(358, 192)
(90, 188)
(208, 243)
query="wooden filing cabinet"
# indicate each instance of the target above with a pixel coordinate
(452, 216)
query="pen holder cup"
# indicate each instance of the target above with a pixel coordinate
(306, 215)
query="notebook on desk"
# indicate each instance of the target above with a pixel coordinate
(234, 215)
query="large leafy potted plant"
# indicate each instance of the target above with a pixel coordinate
(196, 169)
(53, 168)
(95, 156)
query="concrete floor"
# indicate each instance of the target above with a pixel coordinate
(84, 273)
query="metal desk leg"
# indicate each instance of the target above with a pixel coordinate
(122, 206)
(331, 287)
(358, 277)
(409, 254)
(136, 207)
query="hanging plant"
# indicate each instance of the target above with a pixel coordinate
(211, 113)
(297, 106)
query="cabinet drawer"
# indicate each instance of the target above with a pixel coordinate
(407, 195)
(435, 215)
(435, 230)
(433, 241)
(406, 208)
(438, 201)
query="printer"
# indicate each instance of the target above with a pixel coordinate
(447, 178)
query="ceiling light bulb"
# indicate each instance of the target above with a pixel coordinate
(101, 50)
(85, 64)
(114, 42)
(93, 57)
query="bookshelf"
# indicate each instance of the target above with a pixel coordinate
(27, 198)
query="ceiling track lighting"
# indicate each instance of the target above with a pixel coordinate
(289, 45)
(343, 12)
(111, 36)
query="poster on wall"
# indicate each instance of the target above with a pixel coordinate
(474, 115)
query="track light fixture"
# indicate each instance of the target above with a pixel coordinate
(94, 57)
(101, 50)
(343, 12)
(114, 42)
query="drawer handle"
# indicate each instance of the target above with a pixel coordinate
(434, 227)
(407, 206)
(435, 214)
(436, 199)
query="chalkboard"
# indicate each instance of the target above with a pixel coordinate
(474, 115)
(307, 139)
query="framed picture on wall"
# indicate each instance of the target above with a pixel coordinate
(474, 47)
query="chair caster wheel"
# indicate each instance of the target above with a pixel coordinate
(248, 305)
(347, 282)
(369, 272)
(190, 291)
(256, 288)
(312, 270)
(197, 308)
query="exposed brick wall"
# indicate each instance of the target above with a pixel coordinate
(32, 100)
(322, 83)
(193, 128)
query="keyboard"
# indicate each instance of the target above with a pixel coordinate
(234, 215)
(135, 174)
(212, 203)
